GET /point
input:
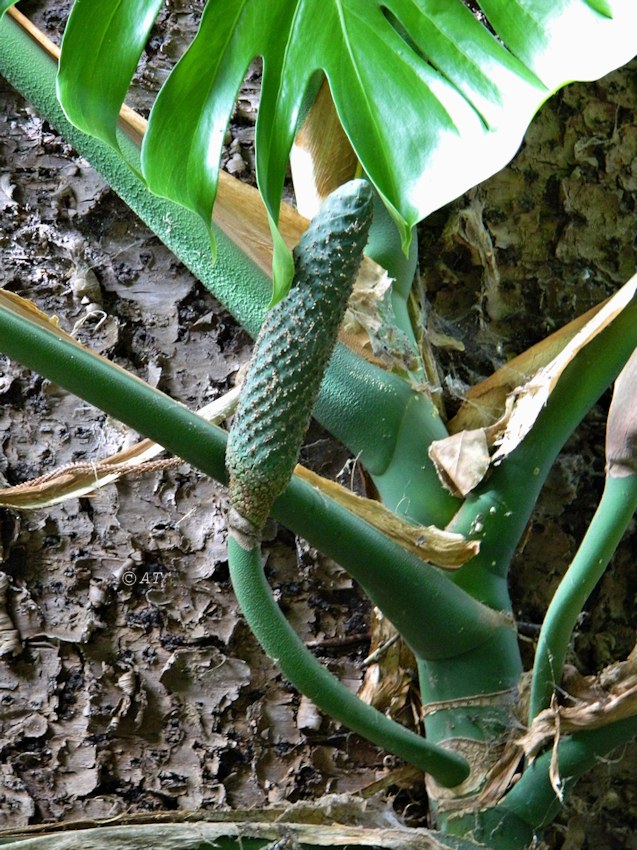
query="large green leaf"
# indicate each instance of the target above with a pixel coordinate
(100, 51)
(430, 99)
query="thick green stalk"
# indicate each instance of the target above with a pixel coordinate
(438, 619)
(469, 703)
(298, 664)
(484, 680)
(533, 800)
(532, 804)
(615, 511)
(369, 410)
(401, 486)
(499, 510)
(385, 248)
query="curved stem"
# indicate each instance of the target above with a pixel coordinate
(615, 511)
(500, 508)
(409, 487)
(532, 803)
(437, 619)
(298, 664)
(533, 798)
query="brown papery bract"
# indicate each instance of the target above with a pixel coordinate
(621, 431)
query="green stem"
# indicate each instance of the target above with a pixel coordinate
(437, 619)
(485, 678)
(360, 404)
(385, 248)
(499, 510)
(533, 804)
(533, 799)
(410, 592)
(297, 663)
(400, 485)
(470, 704)
(615, 511)
(498, 514)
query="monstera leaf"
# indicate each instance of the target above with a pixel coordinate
(433, 97)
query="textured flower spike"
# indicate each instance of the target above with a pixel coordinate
(292, 352)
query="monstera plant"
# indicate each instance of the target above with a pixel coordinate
(431, 96)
